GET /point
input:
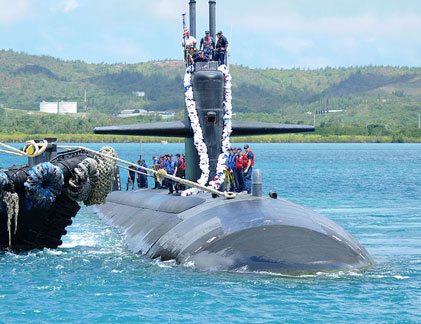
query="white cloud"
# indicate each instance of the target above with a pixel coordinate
(293, 45)
(70, 5)
(166, 9)
(65, 6)
(12, 11)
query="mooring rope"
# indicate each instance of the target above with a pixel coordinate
(31, 148)
(160, 173)
(137, 171)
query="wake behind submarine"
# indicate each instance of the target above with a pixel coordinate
(247, 233)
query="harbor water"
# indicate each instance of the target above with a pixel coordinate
(372, 190)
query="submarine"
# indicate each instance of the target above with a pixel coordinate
(250, 232)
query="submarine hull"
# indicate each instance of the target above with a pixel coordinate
(248, 233)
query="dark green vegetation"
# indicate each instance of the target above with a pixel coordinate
(375, 101)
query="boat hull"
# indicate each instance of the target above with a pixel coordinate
(247, 233)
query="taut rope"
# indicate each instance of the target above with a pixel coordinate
(160, 174)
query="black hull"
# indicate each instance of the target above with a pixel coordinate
(247, 233)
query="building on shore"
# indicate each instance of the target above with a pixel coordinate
(67, 107)
(48, 107)
(62, 107)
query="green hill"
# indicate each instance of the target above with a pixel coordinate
(371, 97)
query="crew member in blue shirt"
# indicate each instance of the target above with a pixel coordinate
(164, 165)
(143, 177)
(155, 165)
(170, 171)
(221, 49)
(231, 168)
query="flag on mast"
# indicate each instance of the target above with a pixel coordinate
(185, 29)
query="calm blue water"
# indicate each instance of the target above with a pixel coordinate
(372, 190)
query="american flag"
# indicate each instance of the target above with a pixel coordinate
(186, 30)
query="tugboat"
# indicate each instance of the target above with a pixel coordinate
(247, 233)
(39, 199)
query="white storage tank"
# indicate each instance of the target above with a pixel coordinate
(67, 107)
(48, 107)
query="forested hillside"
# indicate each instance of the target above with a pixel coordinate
(385, 97)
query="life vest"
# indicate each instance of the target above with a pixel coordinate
(245, 160)
(207, 42)
(239, 161)
(182, 165)
(252, 160)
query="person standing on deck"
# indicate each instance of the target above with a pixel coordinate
(221, 49)
(189, 42)
(143, 177)
(155, 165)
(208, 45)
(180, 171)
(132, 176)
(239, 170)
(139, 162)
(231, 169)
(170, 171)
(248, 170)
(164, 165)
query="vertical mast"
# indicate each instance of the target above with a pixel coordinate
(212, 20)
(192, 17)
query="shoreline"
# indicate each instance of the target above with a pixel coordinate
(286, 138)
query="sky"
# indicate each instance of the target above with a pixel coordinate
(263, 34)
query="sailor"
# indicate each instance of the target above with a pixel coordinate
(132, 176)
(201, 57)
(189, 42)
(221, 49)
(231, 169)
(164, 165)
(170, 171)
(229, 172)
(139, 181)
(239, 170)
(248, 170)
(208, 45)
(143, 176)
(180, 171)
(155, 166)
(194, 57)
